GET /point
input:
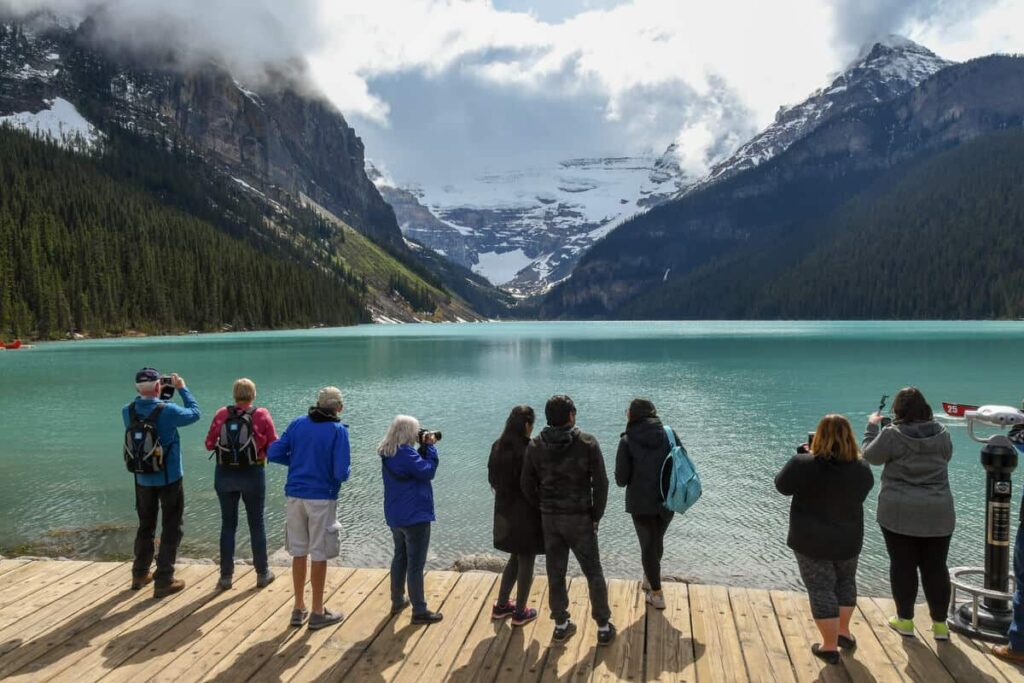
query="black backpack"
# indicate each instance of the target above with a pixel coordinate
(143, 452)
(236, 445)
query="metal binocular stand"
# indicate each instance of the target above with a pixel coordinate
(985, 612)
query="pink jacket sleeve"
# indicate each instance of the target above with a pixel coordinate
(266, 433)
(218, 421)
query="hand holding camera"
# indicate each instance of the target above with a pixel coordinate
(427, 437)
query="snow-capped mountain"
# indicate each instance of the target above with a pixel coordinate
(526, 229)
(883, 71)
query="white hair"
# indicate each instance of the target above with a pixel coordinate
(404, 431)
(146, 388)
(330, 398)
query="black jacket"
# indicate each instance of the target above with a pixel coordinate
(826, 517)
(517, 527)
(640, 466)
(564, 473)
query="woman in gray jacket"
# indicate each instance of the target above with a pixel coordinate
(915, 506)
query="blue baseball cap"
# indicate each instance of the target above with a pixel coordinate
(146, 375)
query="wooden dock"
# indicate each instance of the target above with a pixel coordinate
(78, 621)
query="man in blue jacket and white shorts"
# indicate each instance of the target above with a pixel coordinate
(315, 449)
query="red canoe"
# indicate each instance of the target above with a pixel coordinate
(956, 409)
(16, 344)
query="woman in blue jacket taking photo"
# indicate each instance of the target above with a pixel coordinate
(409, 510)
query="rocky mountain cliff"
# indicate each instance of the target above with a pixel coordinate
(729, 235)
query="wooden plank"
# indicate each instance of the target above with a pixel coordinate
(31, 604)
(764, 650)
(342, 649)
(911, 657)
(478, 657)
(437, 650)
(623, 659)
(869, 661)
(670, 641)
(527, 646)
(250, 653)
(385, 656)
(801, 612)
(791, 617)
(10, 565)
(965, 659)
(105, 655)
(713, 624)
(301, 649)
(203, 654)
(62, 647)
(574, 659)
(36, 577)
(92, 599)
(150, 659)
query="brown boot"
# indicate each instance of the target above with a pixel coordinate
(139, 581)
(162, 591)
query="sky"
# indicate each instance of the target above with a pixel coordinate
(449, 89)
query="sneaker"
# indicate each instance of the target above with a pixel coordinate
(397, 607)
(499, 612)
(563, 633)
(828, 656)
(139, 581)
(606, 635)
(524, 617)
(904, 627)
(656, 599)
(847, 642)
(427, 618)
(224, 583)
(165, 589)
(319, 621)
(940, 630)
(299, 617)
(265, 579)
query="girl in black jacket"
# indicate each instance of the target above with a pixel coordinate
(640, 467)
(829, 482)
(517, 524)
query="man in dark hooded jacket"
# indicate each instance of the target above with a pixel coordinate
(564, 476)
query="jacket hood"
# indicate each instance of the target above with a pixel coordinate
(920, 435)
(559, 439)
(647, 432)
(320, 415)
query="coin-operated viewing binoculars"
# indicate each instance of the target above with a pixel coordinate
(985, 611)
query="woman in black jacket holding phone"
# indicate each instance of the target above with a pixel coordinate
(640, 467)
(517, 524)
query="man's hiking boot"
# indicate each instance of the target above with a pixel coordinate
(427, 618)
(224, 583)
(162, 590)
(606, 635)
(265, 579)
(139, 581)
(563, 633)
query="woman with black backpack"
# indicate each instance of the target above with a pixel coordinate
(517, 525)
(640, 467)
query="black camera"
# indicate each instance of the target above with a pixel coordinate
(424, 433)
(166, 388)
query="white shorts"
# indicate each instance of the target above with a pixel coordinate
(311, 528)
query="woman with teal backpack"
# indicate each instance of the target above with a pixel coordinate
(640, 468)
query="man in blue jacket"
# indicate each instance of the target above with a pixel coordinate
(160, 490)
(315, 450)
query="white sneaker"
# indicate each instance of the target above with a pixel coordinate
(656, 599)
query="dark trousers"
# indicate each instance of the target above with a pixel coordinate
(907, 556)
(518, 572)
(1017, 626)
(563, 533)
(650, 531)
(149, 502)
(411, 544)
(250, 485)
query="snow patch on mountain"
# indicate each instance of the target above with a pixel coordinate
(60, 123)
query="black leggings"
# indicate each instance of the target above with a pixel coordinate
(518, 571)
(650, 531)
(907, 555)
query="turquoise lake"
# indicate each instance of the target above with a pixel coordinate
(741, 395)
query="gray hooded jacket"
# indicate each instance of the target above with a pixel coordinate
(915, 499)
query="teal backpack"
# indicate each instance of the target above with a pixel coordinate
(684, 487)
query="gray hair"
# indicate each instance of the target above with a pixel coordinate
(146, 388)
(330, 398)
(404, 431)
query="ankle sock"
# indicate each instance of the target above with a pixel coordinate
(602, 629)
(564, 625)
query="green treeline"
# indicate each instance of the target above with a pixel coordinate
(81, 249)
(418, 296)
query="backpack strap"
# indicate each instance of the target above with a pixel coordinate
(154, 414)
